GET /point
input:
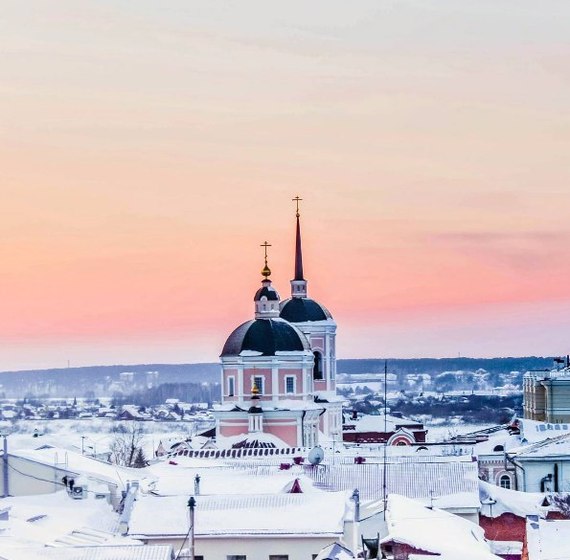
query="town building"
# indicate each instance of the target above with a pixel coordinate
(546, 395)
(279, 370)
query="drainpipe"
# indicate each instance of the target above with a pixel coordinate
(5, 475)
(517, 466)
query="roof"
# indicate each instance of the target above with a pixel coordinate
(435, 531)
(547, 540)
(265, 336)
(124, 552)
(303, 310)
(242, 515)
(496, 501)
(268, 291)
(421, 478)
(69, 461)
(555, 447)
(375, 423)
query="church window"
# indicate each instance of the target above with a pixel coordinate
(231, 386)
(258, 380)
(505, 481)
(318, 366)
(290, 384)
(236, 557)
(278, 557)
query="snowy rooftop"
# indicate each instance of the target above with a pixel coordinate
(282, 404)
(435, 531)
(80, 464)
(449, 480)
(534, 431)
(549, 447)
(216, 479)
(496, 501)
(128, 552)
(57, 519)
(547, 540)
(375, 423)
(251, 514)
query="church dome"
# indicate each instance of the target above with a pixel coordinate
(267, 336)
(303, 310)
(268, 291)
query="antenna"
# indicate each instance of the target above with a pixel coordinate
(385, 470)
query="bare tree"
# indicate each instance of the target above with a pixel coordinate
(126, 443)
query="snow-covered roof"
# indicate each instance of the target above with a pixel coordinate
(217, 479)
(57, 519)
(309, 515)
(282, 404)
(424, 478)
(259, 439)
(496, 501)
(547, 540)
(375, 423)
(70, 461)
(534, 431)
(554, 447)
(127, 552)
(435, 531)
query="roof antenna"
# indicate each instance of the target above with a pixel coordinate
(385, 470)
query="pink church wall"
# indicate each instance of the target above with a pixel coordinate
(320, 385)
(233, 428)
(287, 433)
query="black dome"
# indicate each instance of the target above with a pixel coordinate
(267, 336)
(268, 291)
(303, 310)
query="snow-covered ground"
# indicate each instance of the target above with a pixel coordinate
(94, 435)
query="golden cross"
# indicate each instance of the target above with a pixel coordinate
(265, 245)
(297, 200)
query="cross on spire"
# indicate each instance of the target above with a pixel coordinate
(266, 272)
(265, 245)
(297, 200)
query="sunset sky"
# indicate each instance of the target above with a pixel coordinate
(148, 148)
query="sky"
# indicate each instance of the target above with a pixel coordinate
(148, 148)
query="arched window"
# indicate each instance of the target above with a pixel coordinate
(505, 481)
(499, 448)
(318, 366)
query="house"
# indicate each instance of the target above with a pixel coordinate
(546, 395)
(409, 530)
(377, 428)
(292, 526)
(417, 531)
(543, 466)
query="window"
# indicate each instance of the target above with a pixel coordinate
(289, 384)
(318, 366)
(236, 557)
(198, 557)
(505, 481)
(258, 381)
(278, 557)
(231, 386)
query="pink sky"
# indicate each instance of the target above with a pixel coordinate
(148, 148)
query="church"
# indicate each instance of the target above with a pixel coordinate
(279, 369)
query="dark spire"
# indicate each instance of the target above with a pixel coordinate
(298, 253)
(298, 284)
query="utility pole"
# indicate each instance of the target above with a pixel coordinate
(5, 474)
(192, 506)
